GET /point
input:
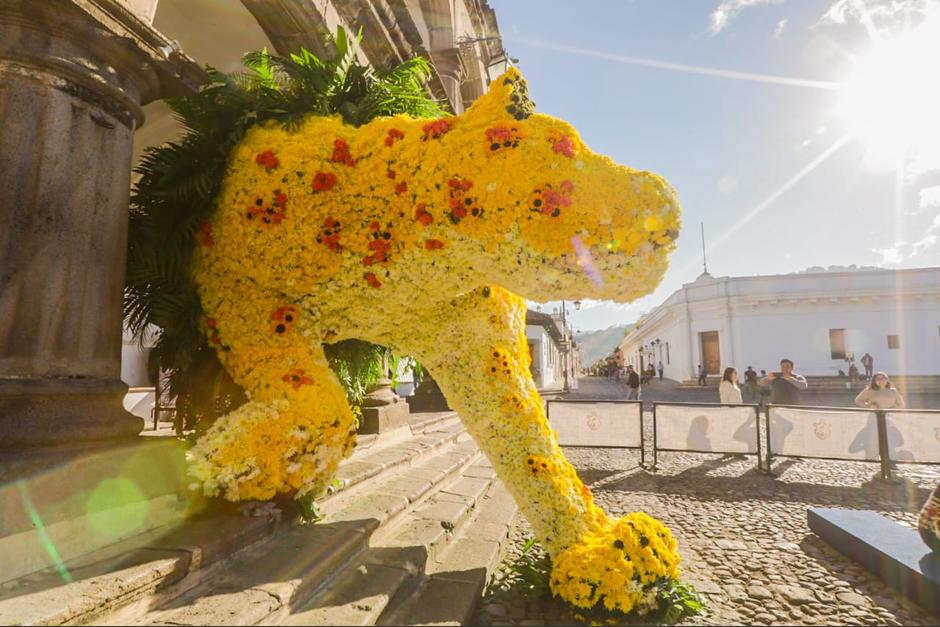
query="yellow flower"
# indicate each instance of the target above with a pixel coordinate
(411, 233)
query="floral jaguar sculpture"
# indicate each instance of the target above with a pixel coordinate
(419, 235)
